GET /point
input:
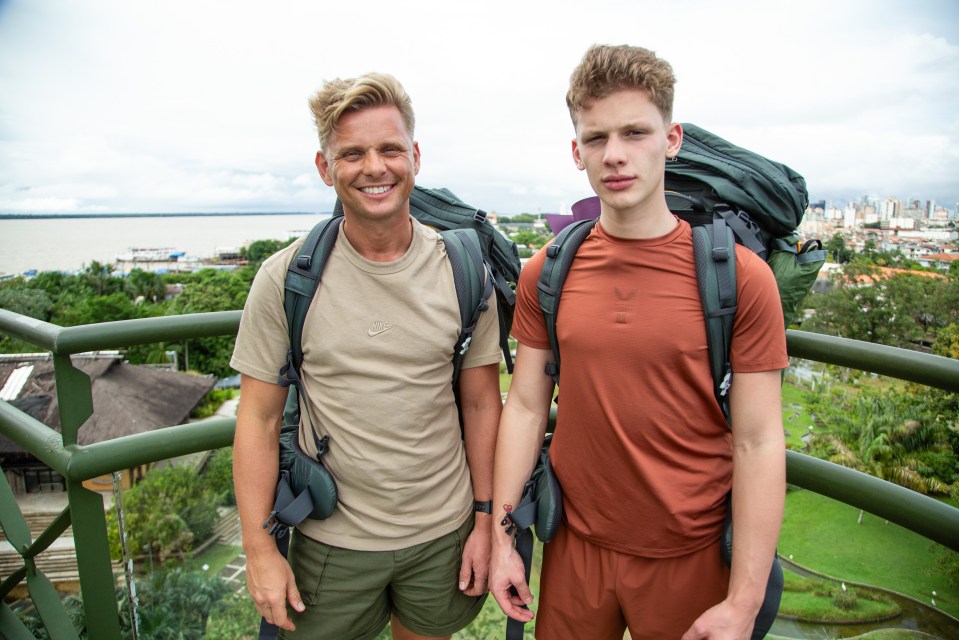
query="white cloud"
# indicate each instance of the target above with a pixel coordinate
(122, 106)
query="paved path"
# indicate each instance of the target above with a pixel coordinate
(235, 573)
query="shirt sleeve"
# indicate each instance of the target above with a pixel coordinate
(263, 341)
(759, 333)
(529, 327)
(485, 348)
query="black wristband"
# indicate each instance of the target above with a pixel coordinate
(483, 507)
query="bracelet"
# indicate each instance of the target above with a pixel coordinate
(485, 506)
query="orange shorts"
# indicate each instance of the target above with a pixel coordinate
(588, 592)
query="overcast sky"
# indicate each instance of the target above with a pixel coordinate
(124, 106)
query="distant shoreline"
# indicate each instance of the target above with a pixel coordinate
(47, 216)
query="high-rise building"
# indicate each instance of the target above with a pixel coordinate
(889, 209)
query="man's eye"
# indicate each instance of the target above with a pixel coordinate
(392, 152)
(351, 156)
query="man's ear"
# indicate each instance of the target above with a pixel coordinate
(674, 139)
(416, 158)
(323, 166)
(576, 157)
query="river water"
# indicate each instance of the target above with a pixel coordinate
(53, 244)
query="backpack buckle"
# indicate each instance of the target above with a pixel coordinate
(322, 446)
(273, 524)
(726, 382)
(466, 345)
(303, 262)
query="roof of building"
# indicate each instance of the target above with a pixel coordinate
(942, 257)
(127, 399)
(882, 273)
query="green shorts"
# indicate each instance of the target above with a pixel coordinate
(349, 595)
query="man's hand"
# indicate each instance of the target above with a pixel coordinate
(474, 570)
(506, 574)
(269, 579)
(722, 622)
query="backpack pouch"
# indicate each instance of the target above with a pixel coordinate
(308, 473)
(541, 505)
(795, 272)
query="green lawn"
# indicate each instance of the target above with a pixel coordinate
(822, 534)
(796, 420)
(216, 557)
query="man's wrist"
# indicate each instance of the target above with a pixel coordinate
(483, 506)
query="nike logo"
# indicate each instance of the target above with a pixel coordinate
(378, 327)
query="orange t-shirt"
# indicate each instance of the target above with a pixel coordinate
(642, 451)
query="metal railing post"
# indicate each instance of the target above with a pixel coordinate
(93, 561)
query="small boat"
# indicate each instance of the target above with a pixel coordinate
(150, 254)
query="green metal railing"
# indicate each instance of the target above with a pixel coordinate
(85, 512)
(77, 463)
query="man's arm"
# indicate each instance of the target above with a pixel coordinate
(269, 578)
(520, 438)
(481, 405)
(759, 488)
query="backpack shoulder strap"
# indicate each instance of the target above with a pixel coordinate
(302, 280)
(474, 285)
(714, 250)
(549, 289)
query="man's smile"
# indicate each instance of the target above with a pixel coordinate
(373, 191)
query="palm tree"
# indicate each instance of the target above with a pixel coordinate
(885, 436)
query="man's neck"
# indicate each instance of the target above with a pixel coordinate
(647, 222)
(382, 240)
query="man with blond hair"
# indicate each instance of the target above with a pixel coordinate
(642, 450)
(404, 546)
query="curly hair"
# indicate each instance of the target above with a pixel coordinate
(606, 69)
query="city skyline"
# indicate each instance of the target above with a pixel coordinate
(118, 107)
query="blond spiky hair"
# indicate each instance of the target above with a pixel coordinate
(338, 97)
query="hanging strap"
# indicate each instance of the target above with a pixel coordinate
(559, 257)
(473, 282)
(523, 516)
(714, 251)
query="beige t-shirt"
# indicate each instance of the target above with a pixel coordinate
(377, 364)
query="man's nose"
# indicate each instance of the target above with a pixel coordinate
(615, 152)
(373, 163)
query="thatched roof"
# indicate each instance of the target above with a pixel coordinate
(127, 399)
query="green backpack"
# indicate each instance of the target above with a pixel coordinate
(473, 246)
(727, 194)
(482, 261)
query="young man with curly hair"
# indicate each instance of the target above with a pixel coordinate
(642, 450)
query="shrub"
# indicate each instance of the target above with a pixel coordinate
(167, 511)
(173, 605)
(218, 474)
(845, 600)
(235, 618)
